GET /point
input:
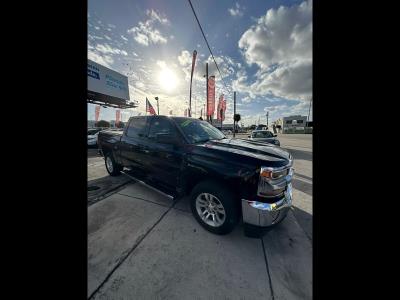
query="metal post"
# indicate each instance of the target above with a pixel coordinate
(158, 108)
(206, 113)
(267, 118)
(234, 113)
(308, 117)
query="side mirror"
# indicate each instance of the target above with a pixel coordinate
(275, 135)
(248, 136)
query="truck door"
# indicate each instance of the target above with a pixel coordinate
(165, 151)
(132, 143)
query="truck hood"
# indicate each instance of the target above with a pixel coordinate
(259, 150)
(271, 139)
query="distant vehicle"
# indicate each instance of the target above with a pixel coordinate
(264, 136)
(93, 134)
(226, 179)
(261, 127)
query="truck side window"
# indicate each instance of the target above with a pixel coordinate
(160, 126)
(136, 127)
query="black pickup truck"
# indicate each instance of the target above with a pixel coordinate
(227, 179)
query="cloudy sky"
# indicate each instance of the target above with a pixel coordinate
(263, 49)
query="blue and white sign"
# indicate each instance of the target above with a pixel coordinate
(106, 81)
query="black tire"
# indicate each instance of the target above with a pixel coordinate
(114, 169)
(225, 197)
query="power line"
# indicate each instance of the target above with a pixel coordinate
(212, 55)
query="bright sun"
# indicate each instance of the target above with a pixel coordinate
(167, 79)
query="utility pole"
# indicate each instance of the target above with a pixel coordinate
(308, 117)
(158, 108)
(234, 113)
(206, 113)
(267, 118)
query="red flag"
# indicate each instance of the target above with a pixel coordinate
(211, 96)
(97, 113)
(193, 63)
(149, 107)
(117, 116)
(220, 106)
(224, 108)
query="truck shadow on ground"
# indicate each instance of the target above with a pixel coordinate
(100, 187)
(298, 154)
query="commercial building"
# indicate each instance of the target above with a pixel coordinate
(294, 124)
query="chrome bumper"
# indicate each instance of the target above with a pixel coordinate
(267, 214)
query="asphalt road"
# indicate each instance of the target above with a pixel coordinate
(143, 245)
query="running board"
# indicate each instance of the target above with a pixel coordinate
(148, 186)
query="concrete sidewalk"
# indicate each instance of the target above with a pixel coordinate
(142, 245)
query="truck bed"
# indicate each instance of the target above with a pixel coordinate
(107, 138)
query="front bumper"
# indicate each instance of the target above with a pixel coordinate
(262, 214)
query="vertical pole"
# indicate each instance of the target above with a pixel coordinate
(267, 118)
(234, 113)
(207, 92)
(308, 117)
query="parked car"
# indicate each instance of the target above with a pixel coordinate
(264, 136)
(93, 135)
(226, 179)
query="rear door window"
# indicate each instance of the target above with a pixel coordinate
(160, 126)
(137, 127)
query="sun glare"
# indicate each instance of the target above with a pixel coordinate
(167, 79)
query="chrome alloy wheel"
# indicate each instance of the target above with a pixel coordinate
(109, 164)
(210, 209)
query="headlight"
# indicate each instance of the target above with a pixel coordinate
(270, 173)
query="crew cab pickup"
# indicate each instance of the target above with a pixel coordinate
(226, 179)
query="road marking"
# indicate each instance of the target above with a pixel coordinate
(302, 179)
(297, 147)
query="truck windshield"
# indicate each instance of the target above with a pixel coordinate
(198, 131)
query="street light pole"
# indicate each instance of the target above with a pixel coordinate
(267, 118)
(206, 113)
(308, 117)
(158, 108)
(234, 113)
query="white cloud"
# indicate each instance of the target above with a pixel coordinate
(107, 49)
(107, 37)
(124, 38)
(145, 33)
(280, 44)
(238, 11)
(185, 58)
(154, 16)
(104, 60)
